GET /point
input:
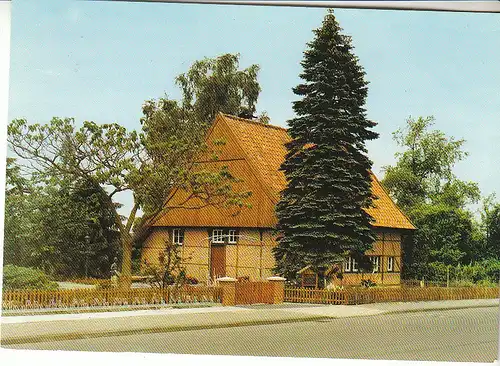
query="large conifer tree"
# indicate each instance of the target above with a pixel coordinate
(320, 214)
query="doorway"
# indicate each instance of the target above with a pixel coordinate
(217, 261)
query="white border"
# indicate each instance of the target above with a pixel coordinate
(15, 357)
(452, 6)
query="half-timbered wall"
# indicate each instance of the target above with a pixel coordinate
(250, 257)
(388, 244)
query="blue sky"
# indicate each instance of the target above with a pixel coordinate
(101, 60)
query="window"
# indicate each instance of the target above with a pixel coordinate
(376, 263)
(217, 236)
(354, 265)
(390, 264)
(231, 237)
(347, 265)
(350, 265)
(178, 236)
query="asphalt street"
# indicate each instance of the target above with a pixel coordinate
(460, 335)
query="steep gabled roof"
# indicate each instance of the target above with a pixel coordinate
(262, 148)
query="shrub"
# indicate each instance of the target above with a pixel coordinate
(104, 285)
(191, 280)
(486, 271)
(436, 271)
(368, 283)
(462, 283)
(18, 278)
(492, 269)
(487, 283)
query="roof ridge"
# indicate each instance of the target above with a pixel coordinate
(246, 120)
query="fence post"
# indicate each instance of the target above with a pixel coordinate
(228, 285)
(278, 289)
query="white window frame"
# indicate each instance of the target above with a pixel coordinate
(390, 264)
(231, 236)
(376, 263)
(354, 265)
(347, 265)
(218, 236)
(350, 265)
(177, 236)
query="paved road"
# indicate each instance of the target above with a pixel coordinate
(464, 335)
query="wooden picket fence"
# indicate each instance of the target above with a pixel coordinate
(40, 299)
(315, 296)
(388, 294)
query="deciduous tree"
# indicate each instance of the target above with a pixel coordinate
(150, 163)
(423, 172)
(424, 185)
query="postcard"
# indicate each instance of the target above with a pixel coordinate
(259, 181)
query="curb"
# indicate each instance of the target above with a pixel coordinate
(178, 328)
(167, 329)
(439, 309)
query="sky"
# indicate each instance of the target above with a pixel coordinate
(99, 61)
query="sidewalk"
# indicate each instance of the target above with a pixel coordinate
(29, 329)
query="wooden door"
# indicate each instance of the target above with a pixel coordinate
(218, 261)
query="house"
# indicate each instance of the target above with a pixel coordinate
(216, 242)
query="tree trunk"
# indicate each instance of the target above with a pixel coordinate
(126, 273)
(126, 243)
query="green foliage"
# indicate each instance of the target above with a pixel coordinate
(424, 185)
(217, 85)
(424, 169)
(149, 164)
(320, 214)
(446, 233)
(486, 283)
(483, 273)
(456, 194)
(19, 278)
(47, 227)
(491, 225)
(492, 269)
(174, 131)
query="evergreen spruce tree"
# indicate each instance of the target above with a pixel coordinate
(320, 214)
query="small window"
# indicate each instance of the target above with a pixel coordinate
(354, 265)
(178, 236)
(350, 265)
(231, 237)
(376, 263)
(390, 264)
(217, 236)
(347, 265)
